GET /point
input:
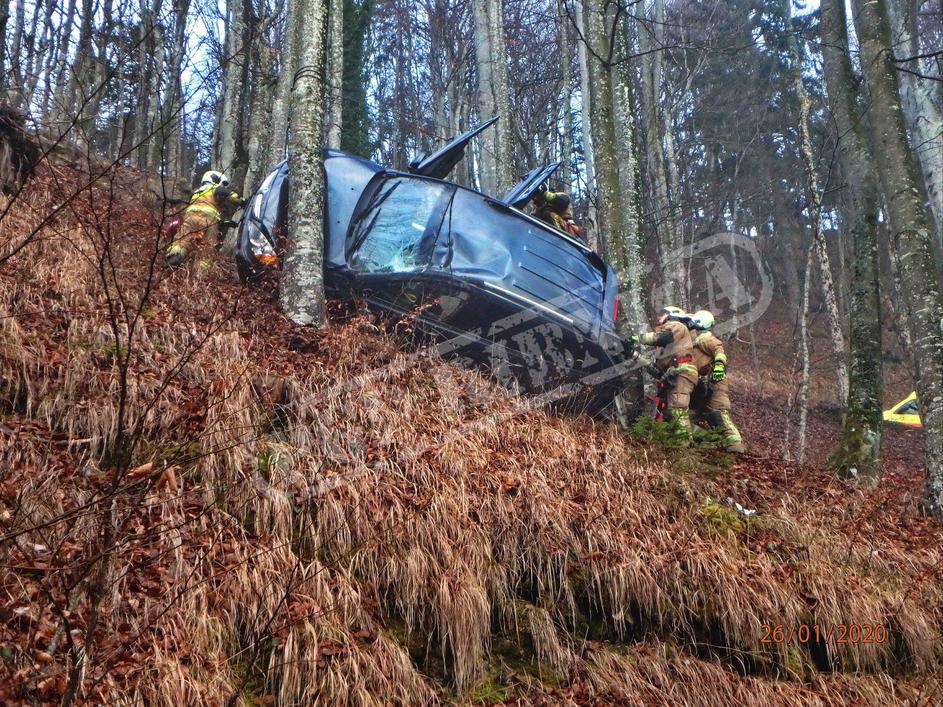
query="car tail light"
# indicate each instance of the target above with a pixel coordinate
(615, 311)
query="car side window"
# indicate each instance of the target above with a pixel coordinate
(398, 228)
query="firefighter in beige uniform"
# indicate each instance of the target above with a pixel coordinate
(711, 362)
(672, 338)
(201, 218)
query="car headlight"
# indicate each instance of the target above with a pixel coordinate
(257, 239)
(260, 246)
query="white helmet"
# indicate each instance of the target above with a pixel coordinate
(702, 319)
(677, 314)
(214, 178)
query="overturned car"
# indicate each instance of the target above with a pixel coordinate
(489, 284)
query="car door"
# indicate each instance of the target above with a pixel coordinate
(440, 163)
(530, 300)
(522, 192)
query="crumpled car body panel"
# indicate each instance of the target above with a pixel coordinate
(488, 284)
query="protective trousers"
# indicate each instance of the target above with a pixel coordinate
(714, 407)
(684, 377)
(198, 230)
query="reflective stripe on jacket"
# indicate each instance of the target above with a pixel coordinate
(205, 200)
(209, 200)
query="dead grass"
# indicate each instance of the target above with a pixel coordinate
(392, 523)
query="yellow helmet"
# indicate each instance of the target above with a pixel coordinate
(214, 178)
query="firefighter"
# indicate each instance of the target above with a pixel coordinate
(712, 399)
(672, 339)
(554, 207)
(203, 215)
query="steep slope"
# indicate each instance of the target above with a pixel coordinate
(204, 504)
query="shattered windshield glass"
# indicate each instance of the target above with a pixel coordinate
(398, 227)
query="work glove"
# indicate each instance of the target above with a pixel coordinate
(719, 372)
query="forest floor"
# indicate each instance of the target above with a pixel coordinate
(298, 516)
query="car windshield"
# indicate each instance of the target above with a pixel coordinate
(398, 227)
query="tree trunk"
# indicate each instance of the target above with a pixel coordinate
(302, 287)
(281, 110)
(671, 259)
(612, 128)
(497, 172)
(335, 74)
(154, 138)
(4, 18)
(81, 80)
(814, 200)
(924, 114)
(16, 77)
(911, 239)
(260, 127)
(57, 82)
(860, 449)
(586, 133)
(172, 117)
(803, 394)
(146, 71)
(97, 73)
(42, 48)
(231, 153)
(566, 96)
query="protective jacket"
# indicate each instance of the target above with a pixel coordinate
(554, 208)
(673, 345)
(711, 399)
(199, 227)
(213, 199)
(562, 221)
(673, 355)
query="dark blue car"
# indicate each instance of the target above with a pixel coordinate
(488, 283)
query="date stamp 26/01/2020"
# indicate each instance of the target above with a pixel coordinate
(818, 633)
